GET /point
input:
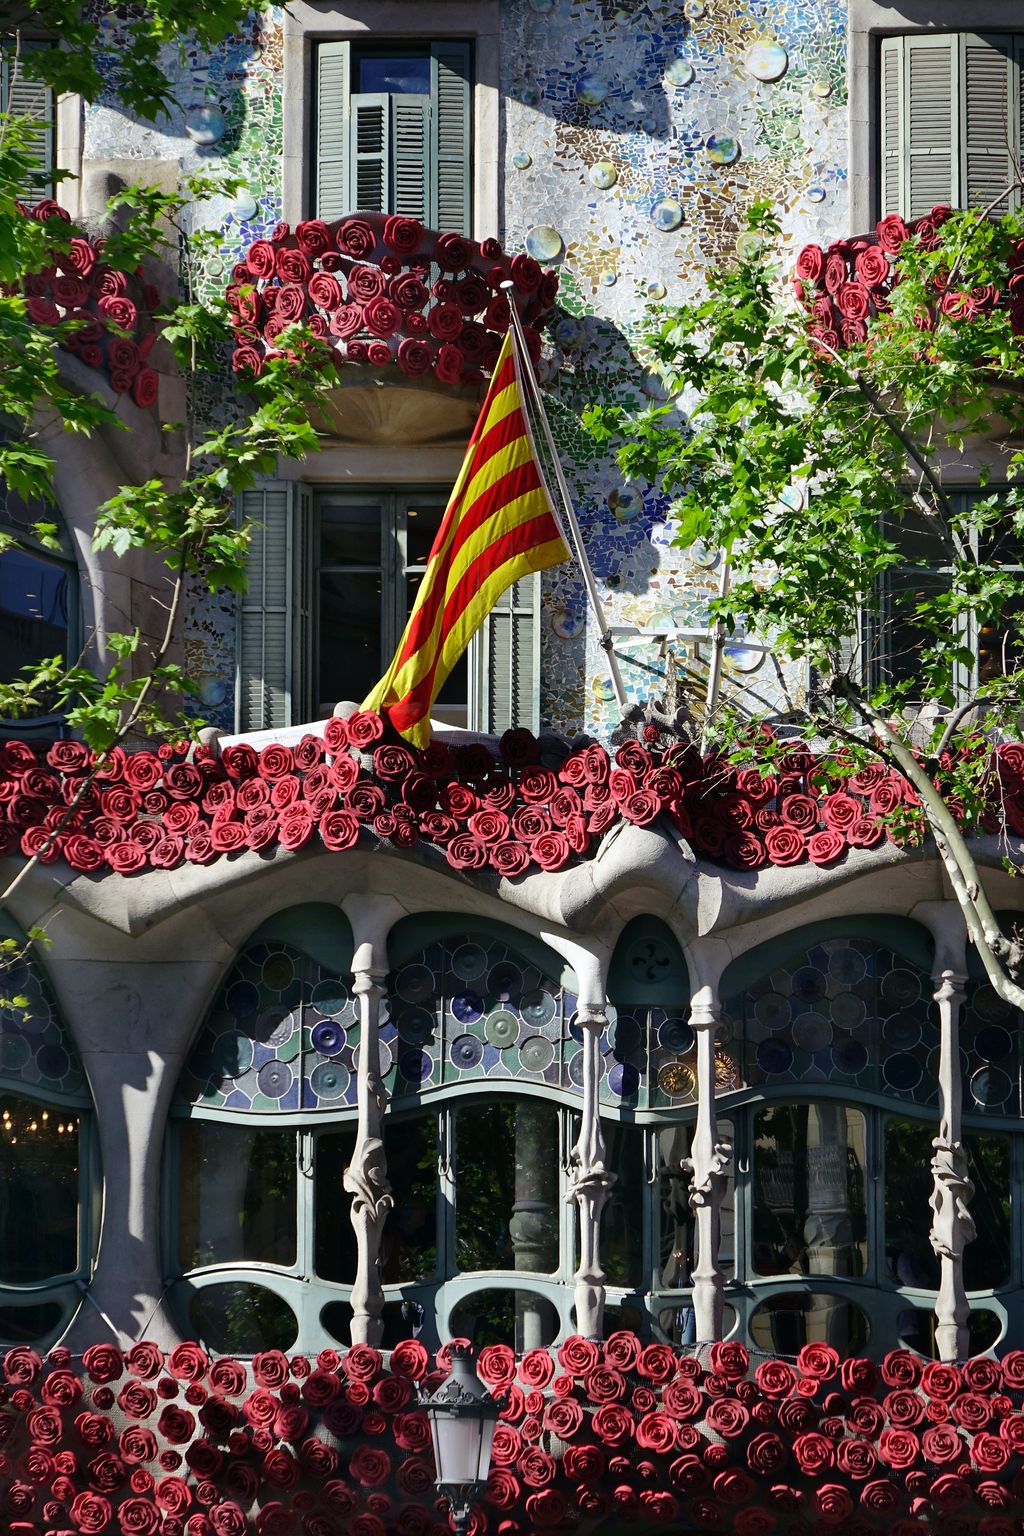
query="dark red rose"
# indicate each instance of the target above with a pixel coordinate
(989, 1452)
(355, 238)
(577, 1356)
(176, 1424)
(103, 1363)
(91, 1513)
(810, 264)
(403, 235)
(825, 847)
(901, 1368)
(892, 232)
(414, 357)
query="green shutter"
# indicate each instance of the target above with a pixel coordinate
(266, 610)
(410, 133)
(989, 119)
(369, 187)
(25, 98)
(451, 137)
(931, 89)
(892, 125)
(507, 662)
(302, 605)
(331, 125)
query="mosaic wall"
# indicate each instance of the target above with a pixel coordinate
(635, 135)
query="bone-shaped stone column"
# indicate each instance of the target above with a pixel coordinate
(952, 1223)
(708, 1161)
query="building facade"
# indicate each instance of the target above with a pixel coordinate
(327, 1084)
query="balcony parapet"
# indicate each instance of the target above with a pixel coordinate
(383, 292)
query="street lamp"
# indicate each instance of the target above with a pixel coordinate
(462, 1416)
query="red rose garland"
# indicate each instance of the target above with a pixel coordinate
(290, 1447)
(106, 314)
(362, 281)
(506, 813)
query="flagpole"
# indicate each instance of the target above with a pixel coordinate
(525, 370)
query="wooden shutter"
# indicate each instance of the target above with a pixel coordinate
(930, 120)
(989, 119)
(451, 137)
(892, 125)
(410, 136)
(265, 610)
(302, 679)
(370, 152)
(507, 670)
(331, 135)
(32, 99)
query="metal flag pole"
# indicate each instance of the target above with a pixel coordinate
(715, 664)
(524, 369)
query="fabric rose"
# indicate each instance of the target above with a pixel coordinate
(871, 267)
(449, 364)
(414, 357)
(892, 232)
(853, 301)
(103, 1363)
(613, 1424)
(901, 1368)
(775, 1378)
(453, 252)
(825, 847)
(813, 1453)
(810, 264)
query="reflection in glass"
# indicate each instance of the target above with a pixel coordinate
(409, 1243)
(239, 1318)
(334, 1237)
(349, 534)
(236, 1195)
(422, 524)
(23, 1324)
(809, 1201)
(782, 1325)
(676, 1234)
(349, 635)
(506, 1213)
(395, 75)
(521, 1319)
(917, 1331)
(39, 1161)
(622, 1226)
(910, 1259)
(34, 602)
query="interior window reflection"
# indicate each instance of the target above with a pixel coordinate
(809, 1193)
(238, 1194)
(39, 1162)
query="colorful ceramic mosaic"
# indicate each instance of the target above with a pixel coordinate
(283, 1034)
(36, 1050)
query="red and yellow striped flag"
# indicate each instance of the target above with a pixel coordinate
(499, 525)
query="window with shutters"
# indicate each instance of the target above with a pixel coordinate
(23, 97)
(393, 130)
(893, 638)
(38, 595)
(951, 121)
(332, 576)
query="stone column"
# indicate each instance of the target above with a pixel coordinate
(952, 1224)
(366, 1177)
(591, 1181)
(709, 1158)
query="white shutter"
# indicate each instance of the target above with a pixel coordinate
(507, 662)
(266, 611)
(332, 95)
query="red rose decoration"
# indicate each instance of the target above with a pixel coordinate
(414, 357)
(892, 232)
(810, 264)
(826, 847)
(103, 1363)
(577, 1356)
(872, 268)
(453, 253)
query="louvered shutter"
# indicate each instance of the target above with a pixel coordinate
(450, 137)
(930, 119)
(370, 152)
(410, 133)
(332, 91)
(265, 610)
(892, 125)
(302, 604)
(989, 120)
(32, 99)
(507, 669)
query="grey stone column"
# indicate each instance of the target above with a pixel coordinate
(366, 1177)
(952, 1223)
(709, 1158)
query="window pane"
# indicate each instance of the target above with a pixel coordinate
(506, 1204)
(406, 76)
(622, 1224)
(239, 1318)
(422, 524)
(784, 1324)
(39, 1181)
(350, 651)
(236, 1195)
(903, 638)
(910, 1260)
(409, 1246)
(521, 1319)
(334, 1236)
(350, 535)
(809, 1202)
(999, 645)
(33, 610)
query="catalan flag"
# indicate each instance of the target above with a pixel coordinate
(499, 525)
